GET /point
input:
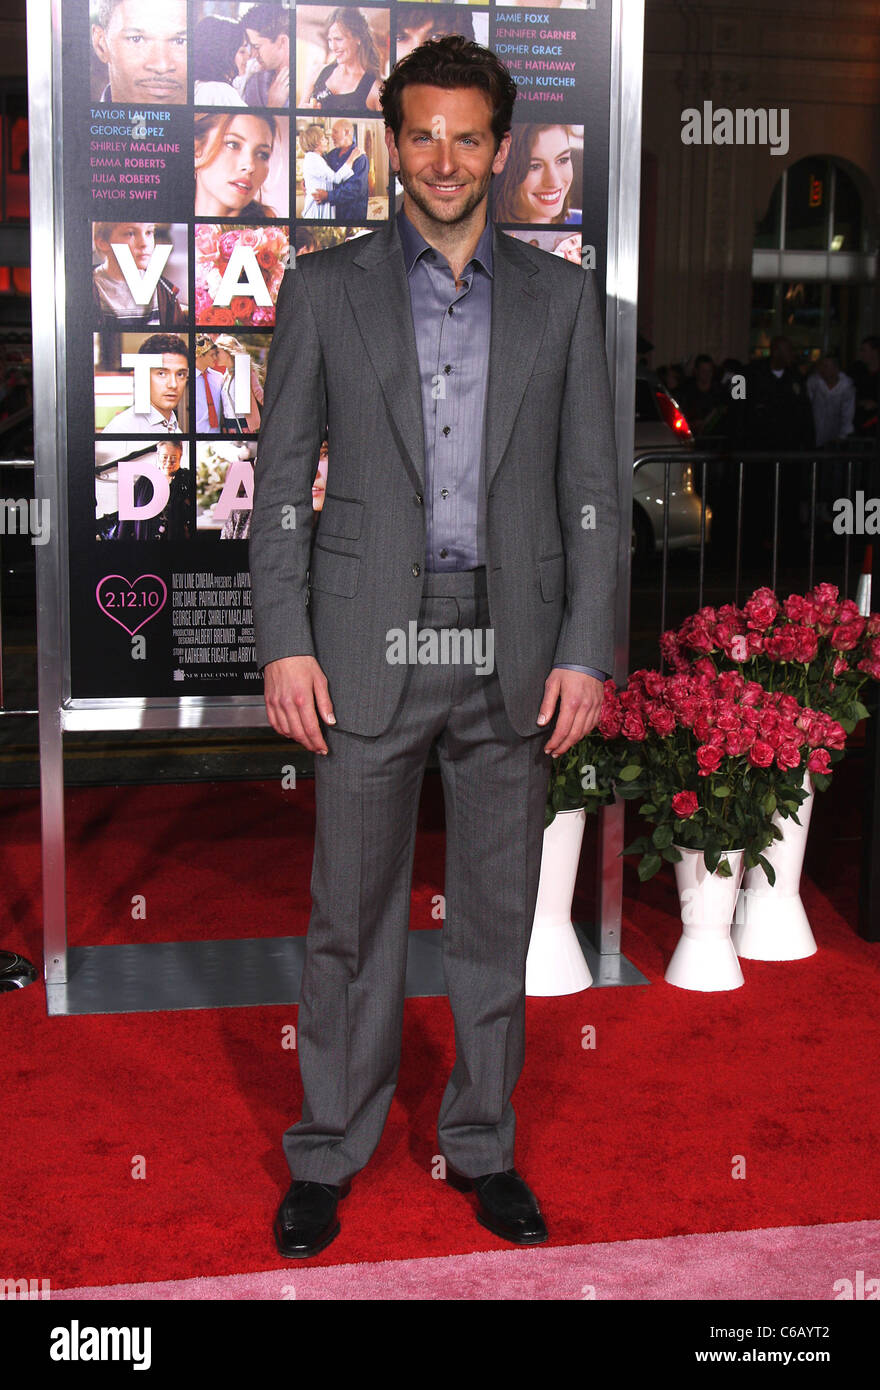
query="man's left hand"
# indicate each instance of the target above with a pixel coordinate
(580, 703)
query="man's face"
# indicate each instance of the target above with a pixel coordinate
(169, 456)
(168, 382)
(144, 47)
(445, 156)
(829, 371)
(271, 54)
(869, 355)
(343, 135)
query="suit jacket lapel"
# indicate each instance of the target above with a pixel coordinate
(378, 292)
(379, 296)
(519, 312)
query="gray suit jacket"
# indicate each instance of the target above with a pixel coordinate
(344, 356)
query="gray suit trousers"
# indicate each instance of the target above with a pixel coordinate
(351, 1010)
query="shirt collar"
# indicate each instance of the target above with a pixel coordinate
(414, 244)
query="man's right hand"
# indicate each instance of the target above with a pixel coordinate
(294, 688)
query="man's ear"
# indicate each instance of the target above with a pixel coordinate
(391, 146)
(501, 157)
(99, 43)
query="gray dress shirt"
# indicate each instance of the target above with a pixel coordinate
(452, 329)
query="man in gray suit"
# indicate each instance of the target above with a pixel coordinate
(471, 494)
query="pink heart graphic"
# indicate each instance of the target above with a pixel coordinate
(130, 602)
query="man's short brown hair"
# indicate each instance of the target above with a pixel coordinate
(451, 61)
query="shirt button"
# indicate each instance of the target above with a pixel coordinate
(450, 308)
(443, 554)
(444, 492)
(418, 499)
(448, 367)
(445, 429)
(416, 569)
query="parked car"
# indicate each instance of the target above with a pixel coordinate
(661, 427)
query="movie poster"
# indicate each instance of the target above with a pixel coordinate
(205, 144)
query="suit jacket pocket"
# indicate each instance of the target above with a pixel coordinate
(340, 516)
(333, 572)
(551, 572)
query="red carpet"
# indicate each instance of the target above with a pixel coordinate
(635, 1139)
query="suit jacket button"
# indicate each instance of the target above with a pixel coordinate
(416, 569)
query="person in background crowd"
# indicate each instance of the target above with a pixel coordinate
(268, 33)
(702, 400)
(832, 397)
(220, 46)
(672, 376)
(774, 418)
(777, 409)
(143, 44)
(112, 297)
(865, 373)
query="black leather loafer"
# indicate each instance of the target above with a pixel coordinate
(306, 1220)
(506, 1206)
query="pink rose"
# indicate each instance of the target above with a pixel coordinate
(633, 728)
(788, 757)
(684, 804)
(760, 754)
(761, 608)
(806, 644)
(228, 243)
(662, 721)
(847, 635)
(708, 759)
(819, 761)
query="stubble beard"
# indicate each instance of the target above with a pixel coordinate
(444, 215)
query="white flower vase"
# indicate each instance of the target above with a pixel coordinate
(555, 963)
(771, 923)
(705, 958)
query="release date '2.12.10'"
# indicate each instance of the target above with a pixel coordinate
(144, 598)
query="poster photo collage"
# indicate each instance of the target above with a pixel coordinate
(226, 137)
(206, 145)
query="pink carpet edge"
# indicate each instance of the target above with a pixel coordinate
(834, 1261)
